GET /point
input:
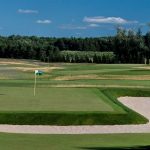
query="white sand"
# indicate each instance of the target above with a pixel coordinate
(141, 105)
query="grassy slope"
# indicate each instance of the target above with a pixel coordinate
(71, 142)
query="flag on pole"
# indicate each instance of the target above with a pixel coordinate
(38, 72)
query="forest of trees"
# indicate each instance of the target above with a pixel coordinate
(125, 47)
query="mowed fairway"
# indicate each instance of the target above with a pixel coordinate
(53, 99)
(74, 142)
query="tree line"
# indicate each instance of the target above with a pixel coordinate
(82, 57)
(125, 47)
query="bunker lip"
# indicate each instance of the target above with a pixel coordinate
(138, 104)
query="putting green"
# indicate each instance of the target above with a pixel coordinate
(53, 99)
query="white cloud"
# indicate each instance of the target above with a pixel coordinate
(93, 25)
(73, 27)
(44, 21)
(27, 11)
(107, 20)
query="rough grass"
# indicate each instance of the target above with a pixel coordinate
(124, 75)
(64, 119)
(74, 142)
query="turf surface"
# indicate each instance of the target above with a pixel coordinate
(66, 105)
(18, 106)
(30, 111)
(53, 99)
(73, 142)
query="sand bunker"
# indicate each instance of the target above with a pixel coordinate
(45, 69)
(106, 77)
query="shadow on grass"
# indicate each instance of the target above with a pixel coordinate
(117, 148)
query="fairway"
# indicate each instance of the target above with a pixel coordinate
(53, 99)
(73, 142)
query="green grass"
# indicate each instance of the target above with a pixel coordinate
(67, 106)
(19, 78)
(81, 83)
(102, 69)
(73, 142)
(70, 106)
(53, 99)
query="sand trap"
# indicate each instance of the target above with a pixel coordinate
(146, 67)
(15, 62)
(141, 105)
(106, 77)
(45, 69)
(93, 85)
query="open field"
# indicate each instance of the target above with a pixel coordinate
(60, 101)
(74, 142)
(83, 75)
(71, 94)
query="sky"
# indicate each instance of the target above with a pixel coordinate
(72, 18)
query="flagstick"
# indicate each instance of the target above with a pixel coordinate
(35, 85)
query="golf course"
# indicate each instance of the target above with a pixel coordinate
(71, 94)
(74, 74)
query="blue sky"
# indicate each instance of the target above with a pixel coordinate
(77, 18)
